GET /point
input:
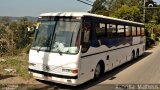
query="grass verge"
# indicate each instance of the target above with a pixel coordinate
(19, 68)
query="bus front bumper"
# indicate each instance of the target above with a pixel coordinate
(62, 79)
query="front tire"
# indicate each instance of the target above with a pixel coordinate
(97, 72)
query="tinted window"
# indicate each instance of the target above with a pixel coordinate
(138, 31)
(128, 30)
(142, 31)
(111, 31)
(120, 31)
(133, 31)
(100, 29)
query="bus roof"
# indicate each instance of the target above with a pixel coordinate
(82, 14)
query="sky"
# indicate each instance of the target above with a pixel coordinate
(36, 7)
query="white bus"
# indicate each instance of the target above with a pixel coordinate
(72, 47)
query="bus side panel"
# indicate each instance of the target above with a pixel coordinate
(88, 65)
(120, 56)
(112, 59)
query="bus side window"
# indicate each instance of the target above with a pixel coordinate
(128, 31)
(120, 30)
(134, 31)
(100, 30)
(111, 31)
(138, 31)
(86, 28)
(142, 31)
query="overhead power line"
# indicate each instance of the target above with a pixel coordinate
(89, 1)
(85, 2)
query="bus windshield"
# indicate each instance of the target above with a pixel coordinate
(57, 36)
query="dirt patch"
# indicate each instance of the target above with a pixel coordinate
(19, 74)
(10, 79)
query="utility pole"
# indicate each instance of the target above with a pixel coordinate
(144, 10)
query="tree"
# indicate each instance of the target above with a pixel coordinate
(13, 35)
(129, 13)
(100, 7)
(2, 29)
(116, 4)
(13, 28)
(20, 32)
(4, 20)
(22, 38)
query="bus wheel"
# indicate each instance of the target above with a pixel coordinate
(97, 72)
(133, 55)
(137, 54)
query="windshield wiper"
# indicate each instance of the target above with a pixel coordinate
(39, 49)
(59, 51)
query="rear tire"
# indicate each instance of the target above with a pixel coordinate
(133, 55)
(137, 54)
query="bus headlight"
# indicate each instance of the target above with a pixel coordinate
(74, 71)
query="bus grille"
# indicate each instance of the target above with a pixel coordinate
(48, 68)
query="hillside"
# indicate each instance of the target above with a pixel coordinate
(33, 19)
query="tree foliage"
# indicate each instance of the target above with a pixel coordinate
(13, 35)
(124, 9)
(99, 7)
(129, 13)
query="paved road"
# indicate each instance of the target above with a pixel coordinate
(141, 73)
(135, 74)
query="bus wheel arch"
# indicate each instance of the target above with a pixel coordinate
(133, 54)
(99, 69)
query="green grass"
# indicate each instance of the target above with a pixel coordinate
(20, 66)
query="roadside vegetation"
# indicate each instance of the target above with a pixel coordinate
(15, 66)
(15, 42)
(16, 36)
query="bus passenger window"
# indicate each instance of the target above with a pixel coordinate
(128, 30)
(120, 31)
(100, 30)
(86, 36)
(138, 31)
(111, 31)
(133, 31)
(142, 31)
